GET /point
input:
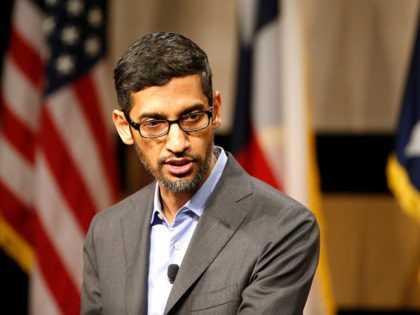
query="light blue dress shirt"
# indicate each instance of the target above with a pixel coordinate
(168, 243)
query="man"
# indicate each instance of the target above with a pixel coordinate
(240, 245)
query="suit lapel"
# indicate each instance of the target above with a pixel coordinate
(219, 222)
(135, 231)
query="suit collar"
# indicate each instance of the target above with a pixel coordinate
(221, 219)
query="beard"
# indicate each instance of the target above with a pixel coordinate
(181, 184)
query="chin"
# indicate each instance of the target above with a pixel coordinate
(188, 183)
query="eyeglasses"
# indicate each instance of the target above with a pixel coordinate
(154, 128)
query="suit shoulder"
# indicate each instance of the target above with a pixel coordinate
(268, 192)
(257, 196)
(270, 199)
(135, 202)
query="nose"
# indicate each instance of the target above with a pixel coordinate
(177, 140)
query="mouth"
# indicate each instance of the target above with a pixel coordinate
(179, 167)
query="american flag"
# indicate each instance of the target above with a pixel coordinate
(57, 161)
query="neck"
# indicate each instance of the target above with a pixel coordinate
(172, 202)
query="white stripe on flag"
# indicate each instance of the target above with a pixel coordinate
(247, 16)
(41, 303)
(294, 102)
(19, 183)
(267, 109)
(29, 20)
(58, 221)
(20, 95)
(74, 129)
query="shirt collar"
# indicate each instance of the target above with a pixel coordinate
(197, 203)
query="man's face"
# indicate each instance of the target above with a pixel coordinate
(180, 161)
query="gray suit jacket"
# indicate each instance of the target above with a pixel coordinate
(254, 251)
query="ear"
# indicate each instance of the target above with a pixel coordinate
(122, 127)
(217, 110)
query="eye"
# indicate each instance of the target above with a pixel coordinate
(153, 123)
(191, 117)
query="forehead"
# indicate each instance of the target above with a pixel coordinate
(179, 93)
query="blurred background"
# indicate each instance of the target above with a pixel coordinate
(358, 54)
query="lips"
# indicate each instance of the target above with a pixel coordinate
(179, 167)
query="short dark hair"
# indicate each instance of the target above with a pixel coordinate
(154, 60)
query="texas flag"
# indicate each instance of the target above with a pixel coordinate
(272, 136)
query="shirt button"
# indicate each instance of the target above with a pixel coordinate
(160, 216)
(178, 245)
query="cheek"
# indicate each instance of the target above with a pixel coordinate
(149, 151)
(201, 144)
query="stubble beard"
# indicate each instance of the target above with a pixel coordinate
(181, 184)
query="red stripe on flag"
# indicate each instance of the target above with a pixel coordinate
(87, 94)
(73, 187)
(26, 58)
(16, 213)
(253, 160)
(17, 133)
(55, 274)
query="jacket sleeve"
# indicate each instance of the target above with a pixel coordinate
(283, 274)
(91, 303)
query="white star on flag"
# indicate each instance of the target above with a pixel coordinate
(413, 146)
(92, 46)
(70, 35)
(65, 64)
(75, 7)
(95, 17)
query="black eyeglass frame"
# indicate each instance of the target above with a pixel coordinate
(137, 126)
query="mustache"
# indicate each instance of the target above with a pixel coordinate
(191, 157)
